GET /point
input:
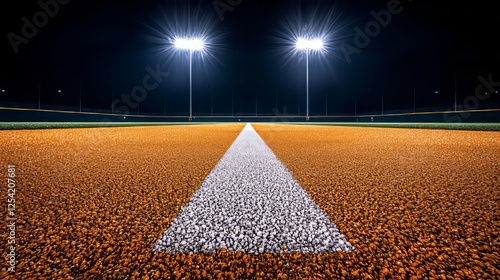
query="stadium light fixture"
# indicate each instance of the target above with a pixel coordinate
(192, 45)
(189, 44)
(308, 45)
(304, 44)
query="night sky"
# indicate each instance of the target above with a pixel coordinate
(104, 47)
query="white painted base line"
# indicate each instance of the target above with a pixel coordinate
(250, 202)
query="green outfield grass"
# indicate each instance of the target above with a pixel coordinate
(456, 126)
(48, 125)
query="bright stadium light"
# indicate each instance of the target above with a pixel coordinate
(308, 45)
(304, 44)
(194, 44)
(189, 44)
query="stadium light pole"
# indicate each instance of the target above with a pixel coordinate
(308, 45)
(192, 45)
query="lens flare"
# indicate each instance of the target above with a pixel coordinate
(305, 44)
(318, 30)
(185, 27)
(194, 44)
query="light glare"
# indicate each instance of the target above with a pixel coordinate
(304, 44)
(189, 44)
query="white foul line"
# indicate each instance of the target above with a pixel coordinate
(250, 202)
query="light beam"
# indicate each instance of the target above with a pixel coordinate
(306, 44)
(194, 44)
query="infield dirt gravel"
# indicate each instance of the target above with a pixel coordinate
(414, 203)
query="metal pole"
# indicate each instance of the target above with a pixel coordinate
(190, 83)
(307, 82)
(190, 70)
(298, 94)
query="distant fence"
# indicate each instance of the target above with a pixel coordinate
(68, 114)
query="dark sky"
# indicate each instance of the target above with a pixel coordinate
(104, 47)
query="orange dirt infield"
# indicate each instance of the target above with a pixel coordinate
(91, 202)
(414, 203)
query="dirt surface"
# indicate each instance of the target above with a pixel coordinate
(91, 202)
(419, 203)
(415, 203)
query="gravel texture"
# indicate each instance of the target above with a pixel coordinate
(250, 202)
(91, 202)
(416, 204)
